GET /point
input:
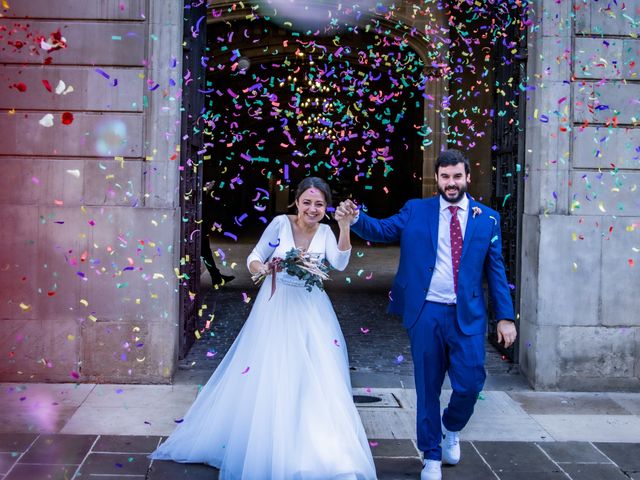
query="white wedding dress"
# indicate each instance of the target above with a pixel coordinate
(279, 405)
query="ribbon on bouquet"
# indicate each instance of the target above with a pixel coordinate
(274, 267)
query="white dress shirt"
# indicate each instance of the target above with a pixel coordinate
(441, 289)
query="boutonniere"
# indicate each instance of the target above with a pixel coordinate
(476, 211)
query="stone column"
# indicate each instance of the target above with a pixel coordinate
(580, 223)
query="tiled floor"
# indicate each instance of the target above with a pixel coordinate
(107, 457)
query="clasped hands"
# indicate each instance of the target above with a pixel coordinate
(345, 212)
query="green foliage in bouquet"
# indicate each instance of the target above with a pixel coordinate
(305, 266)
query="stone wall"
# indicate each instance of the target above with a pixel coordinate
(89, 210)
(580, 329)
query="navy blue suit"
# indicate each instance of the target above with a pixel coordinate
(443, 337)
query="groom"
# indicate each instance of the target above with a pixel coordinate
(447, 244)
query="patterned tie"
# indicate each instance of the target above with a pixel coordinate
(455, 233)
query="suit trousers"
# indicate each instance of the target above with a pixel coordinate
(438, 347)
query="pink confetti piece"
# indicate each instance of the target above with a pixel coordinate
(245, 370)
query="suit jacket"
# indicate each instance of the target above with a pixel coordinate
(416, 227)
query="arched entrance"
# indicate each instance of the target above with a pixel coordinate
(277, 105)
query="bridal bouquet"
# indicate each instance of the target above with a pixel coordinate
(299, 264)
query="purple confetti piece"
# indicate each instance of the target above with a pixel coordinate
(230, 235)
(241, 219)
(103, 73)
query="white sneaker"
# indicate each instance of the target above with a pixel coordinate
(432, 470)
(450, 447)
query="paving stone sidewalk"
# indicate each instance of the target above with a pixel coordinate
(108, 457)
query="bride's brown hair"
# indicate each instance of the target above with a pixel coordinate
(314, 182)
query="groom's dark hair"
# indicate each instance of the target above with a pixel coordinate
(451, 157)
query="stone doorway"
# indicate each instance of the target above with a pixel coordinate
(252, 165)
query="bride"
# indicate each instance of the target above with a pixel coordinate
(279, 406)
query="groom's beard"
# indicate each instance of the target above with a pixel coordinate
(457, 192)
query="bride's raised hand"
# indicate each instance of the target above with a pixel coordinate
(344, 214)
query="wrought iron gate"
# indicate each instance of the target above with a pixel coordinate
(194, 41)
(508, 157)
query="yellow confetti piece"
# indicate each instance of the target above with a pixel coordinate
(140, 360)
(84, 302)
(197, 334)
(5, 4)
(575, 266)
(137, 301)
(71, 338)
(92, 318)
(154, 295)
(157, 275)
(135, 329)
(25, 307)
(574, 237)
(601, 207)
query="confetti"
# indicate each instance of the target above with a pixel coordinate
(46, 121)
